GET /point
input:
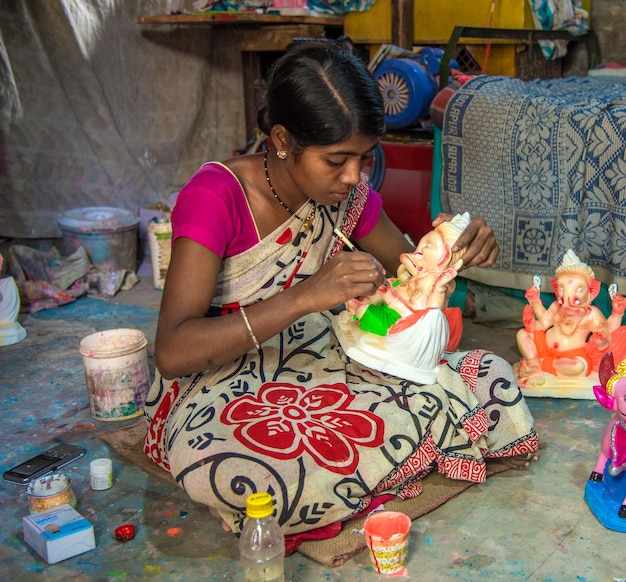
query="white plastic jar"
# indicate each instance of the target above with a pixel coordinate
(101, 473)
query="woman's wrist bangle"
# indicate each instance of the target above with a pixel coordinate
(257, 345)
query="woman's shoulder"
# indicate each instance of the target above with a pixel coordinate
(212, 209)
(214, 184)
(233, 173)
(214, 174)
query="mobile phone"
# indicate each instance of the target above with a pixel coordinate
(53, 459)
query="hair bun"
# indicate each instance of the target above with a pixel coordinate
(263, 121)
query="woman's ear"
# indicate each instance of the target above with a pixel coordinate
(280, 137)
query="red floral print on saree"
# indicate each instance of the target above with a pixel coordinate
(285, 421)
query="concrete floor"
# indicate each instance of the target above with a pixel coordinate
(519, 525)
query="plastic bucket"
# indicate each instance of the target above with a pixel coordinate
(109, 235)
(116, 371)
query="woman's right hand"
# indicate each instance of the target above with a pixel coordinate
(346, 276)
(187, 341)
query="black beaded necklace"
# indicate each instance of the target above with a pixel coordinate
(306, 222)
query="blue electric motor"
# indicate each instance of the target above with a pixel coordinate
(408, 86)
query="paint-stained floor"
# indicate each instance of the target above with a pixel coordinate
(519, 525)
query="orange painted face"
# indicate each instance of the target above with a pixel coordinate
(572, 291)
(432, 254)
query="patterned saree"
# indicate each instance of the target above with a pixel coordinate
(326, 436)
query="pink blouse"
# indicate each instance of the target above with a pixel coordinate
(213, 210)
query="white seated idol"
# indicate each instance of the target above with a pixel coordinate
(11, 332)
(401, 329)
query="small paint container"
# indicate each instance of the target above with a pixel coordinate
(101, 474)
(387, 536)
(49, 492)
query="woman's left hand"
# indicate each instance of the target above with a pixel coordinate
(482, 247)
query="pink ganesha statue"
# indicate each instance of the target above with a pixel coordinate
(562, 345)
(606, 489)
(406, 326)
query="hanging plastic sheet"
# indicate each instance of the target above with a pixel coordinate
(98, 110)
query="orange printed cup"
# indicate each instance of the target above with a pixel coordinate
(387, 536)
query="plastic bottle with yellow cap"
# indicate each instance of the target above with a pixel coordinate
(262, 544)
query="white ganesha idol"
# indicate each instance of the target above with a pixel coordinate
(405, 327)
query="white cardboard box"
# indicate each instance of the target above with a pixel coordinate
(58, 534)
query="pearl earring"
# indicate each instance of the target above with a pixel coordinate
(282, 154)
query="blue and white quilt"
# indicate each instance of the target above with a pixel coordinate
(544, 162)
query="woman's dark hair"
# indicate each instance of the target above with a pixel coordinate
(322, 94)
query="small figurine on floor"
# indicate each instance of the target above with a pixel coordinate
(606, 489)
(11, 332)
(405, 327)
(562, 345)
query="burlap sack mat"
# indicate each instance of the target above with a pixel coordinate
(128, 442)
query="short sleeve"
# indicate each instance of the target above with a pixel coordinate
(212, 210)
(370, 215)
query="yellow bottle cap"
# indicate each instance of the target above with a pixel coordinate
(259, 505)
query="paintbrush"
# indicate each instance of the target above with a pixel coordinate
(345, 240)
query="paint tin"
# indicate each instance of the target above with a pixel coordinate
(101, 474)
(109, 235)
(49, 492)
(116, 371)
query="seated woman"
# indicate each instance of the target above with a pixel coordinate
(253, 391)
(403, 328)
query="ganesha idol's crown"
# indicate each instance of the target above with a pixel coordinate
(620, 372)
(572, 264)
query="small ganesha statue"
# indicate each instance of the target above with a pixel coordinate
(406, 326)
(562, 345)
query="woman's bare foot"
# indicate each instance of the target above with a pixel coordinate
(520, 461)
